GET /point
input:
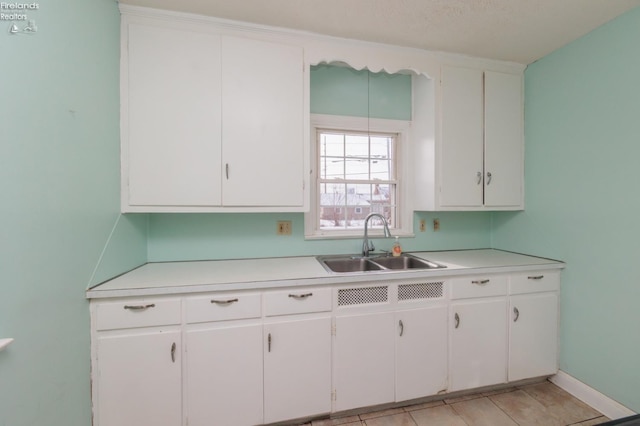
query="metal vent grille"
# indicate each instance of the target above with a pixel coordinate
(363, 295)
(420, 291)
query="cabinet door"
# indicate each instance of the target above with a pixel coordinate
(262, 94)
(297, 369)
(364, 360)
(533, 336)
(224, 376)
(171, 117)
(421, 352)
(139, 379)
(478, 343)
(503, 104)
(461, 155)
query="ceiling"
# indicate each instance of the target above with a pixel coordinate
(513, 30)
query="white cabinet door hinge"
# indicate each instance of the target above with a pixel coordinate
(333, 329)
(334, 395)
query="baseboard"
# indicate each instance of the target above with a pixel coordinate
(590, 396)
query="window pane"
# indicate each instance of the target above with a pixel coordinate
(357, 146)
(381, 170)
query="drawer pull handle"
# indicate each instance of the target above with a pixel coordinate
(516, 312)
(269, 343)
(401, 324)
(457, 318)
(139, 307)
(536, 277)
(224, 302)
(479, 176)
(301, 296)
(480, 282)
(173, 352)
(488, 178)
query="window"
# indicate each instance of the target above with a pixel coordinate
(357, 176)
(357, 171)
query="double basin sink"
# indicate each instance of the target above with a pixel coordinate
(384, 263)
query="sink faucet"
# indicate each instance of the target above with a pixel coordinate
(367, 246)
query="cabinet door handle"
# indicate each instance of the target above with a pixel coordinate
(226, 170)
(480, 282)
(139, 307)
(457, 318)
(173, 352)
(488, 178)
(401, 328)
(536, 277)
(269, 343)
(301, 296)
(224, 302)
(479, 176)
(516, 312)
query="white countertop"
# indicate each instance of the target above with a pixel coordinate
(241, 274)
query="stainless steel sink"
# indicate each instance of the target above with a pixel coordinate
(350, 263)
(405, 262)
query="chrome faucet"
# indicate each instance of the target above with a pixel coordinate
(367, 246)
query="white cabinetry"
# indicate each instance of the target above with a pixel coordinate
(533, 325)
(481, 159)
(421, 352)
(138, 364)
(364, 360)
(274, 355)
(224, 367)
(210, 121)
(395, 354)
(297, 354)
(478, 329)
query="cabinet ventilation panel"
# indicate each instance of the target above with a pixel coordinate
(420, 291)
(363, 295)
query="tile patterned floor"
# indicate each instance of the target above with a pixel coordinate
(539, 404)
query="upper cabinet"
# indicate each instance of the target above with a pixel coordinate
(474, 153)
(210, 121)
(215, 117)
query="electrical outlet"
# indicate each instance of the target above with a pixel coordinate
(284, 227)
(436, 224)
(423, 225)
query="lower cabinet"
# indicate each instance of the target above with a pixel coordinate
(364, 360)
(297, 369)
(478, 343)
(255, 357)
(139, 379)
(224, 372)
(421, 352)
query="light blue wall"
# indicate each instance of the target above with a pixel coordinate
(59, 180)
(345, 91)
(582, 200)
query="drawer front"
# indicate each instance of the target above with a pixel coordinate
(137, 313)
(534, 282)
(223, 307)
(297, 301)
(479, 286)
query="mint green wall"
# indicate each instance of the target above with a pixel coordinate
(345, 91)
(230, 236)
(59, 180)
(582, 200)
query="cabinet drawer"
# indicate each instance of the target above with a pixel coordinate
(137, 313)
(221, 307)
(297, 301)
(534, 282)
(479, 286)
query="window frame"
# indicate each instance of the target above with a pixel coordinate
(403, 163)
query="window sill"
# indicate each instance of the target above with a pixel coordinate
(357, 235)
